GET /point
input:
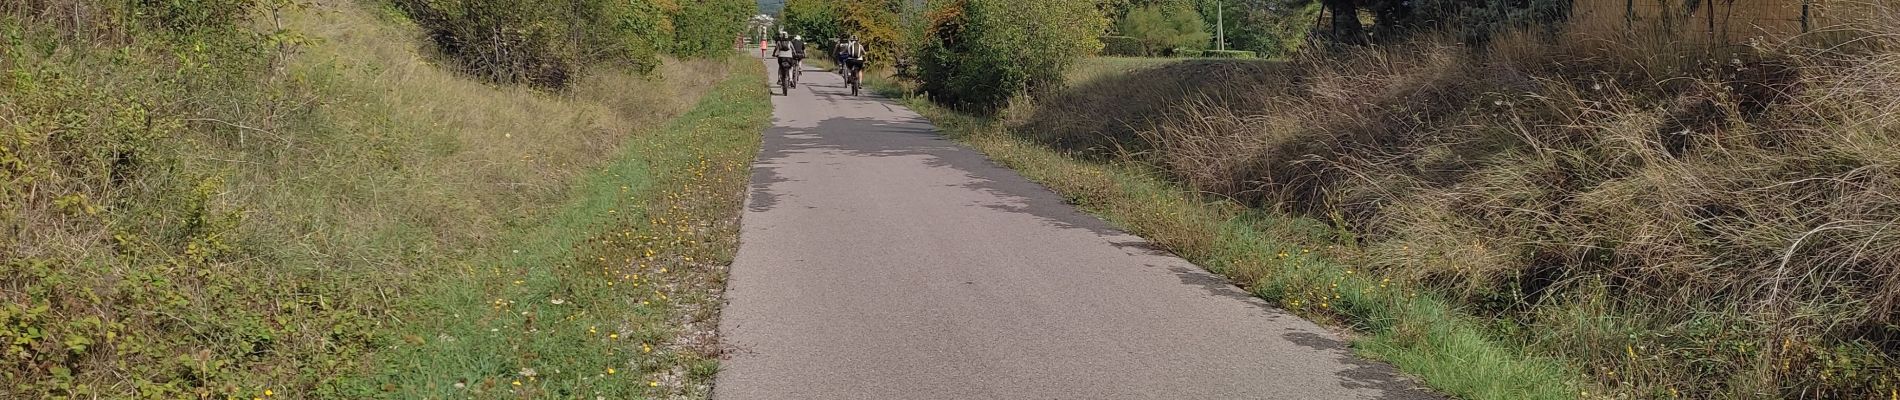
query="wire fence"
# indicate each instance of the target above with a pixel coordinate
(1720, 22)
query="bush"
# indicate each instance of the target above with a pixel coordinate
(531, 42)
(1158, 28)
(982, 53)
(1123, 46)
(1227, 54)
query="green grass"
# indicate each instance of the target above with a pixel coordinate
(613, 295)
(1283, 260)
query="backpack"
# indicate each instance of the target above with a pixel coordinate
(784, 49)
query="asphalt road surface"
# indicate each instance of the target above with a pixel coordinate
(879, 260)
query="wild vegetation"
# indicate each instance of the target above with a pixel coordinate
(260, 199)
(544, 44)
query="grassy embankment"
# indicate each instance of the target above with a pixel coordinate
(1532, 222)
(323, 211)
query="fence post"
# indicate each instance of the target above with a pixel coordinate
(1804, 15)
(1629, 15)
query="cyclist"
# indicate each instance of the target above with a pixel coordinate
(784, 52)
(851, 57)
(837, 53)
(798, 56)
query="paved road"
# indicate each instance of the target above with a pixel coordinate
(881, 261)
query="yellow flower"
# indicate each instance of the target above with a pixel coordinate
(517, 383)
(610, 371)
(653, 383)
(615, 336)
(267, 392)
(644, 348)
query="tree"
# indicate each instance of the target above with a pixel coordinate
(1162, 28)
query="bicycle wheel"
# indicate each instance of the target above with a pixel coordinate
(854, 83)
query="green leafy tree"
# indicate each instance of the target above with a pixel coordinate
(879, 24)
(1160, 29)
(706, 28)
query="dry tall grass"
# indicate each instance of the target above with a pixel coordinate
(1682, 222)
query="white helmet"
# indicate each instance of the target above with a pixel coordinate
(798, 37)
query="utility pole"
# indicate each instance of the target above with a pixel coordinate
(1220, 25)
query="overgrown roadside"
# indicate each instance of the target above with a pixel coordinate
(1279, 258)
(265, 199)
(617, 294)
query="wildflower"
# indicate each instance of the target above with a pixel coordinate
(610, 371)
(517, 382)
(614, 336)
(653, 383)
(644, 348)
(267, 392)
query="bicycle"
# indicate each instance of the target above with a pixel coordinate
(851, 77)
(788, 79)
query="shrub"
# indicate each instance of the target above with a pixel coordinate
(535, 43)
(1158, 28)
(1188, 53)
(505, 41)
(1228, 54)
(981, 53)
(1123, 46)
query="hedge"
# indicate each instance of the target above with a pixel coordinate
(1125, 46)
(1228, 54)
